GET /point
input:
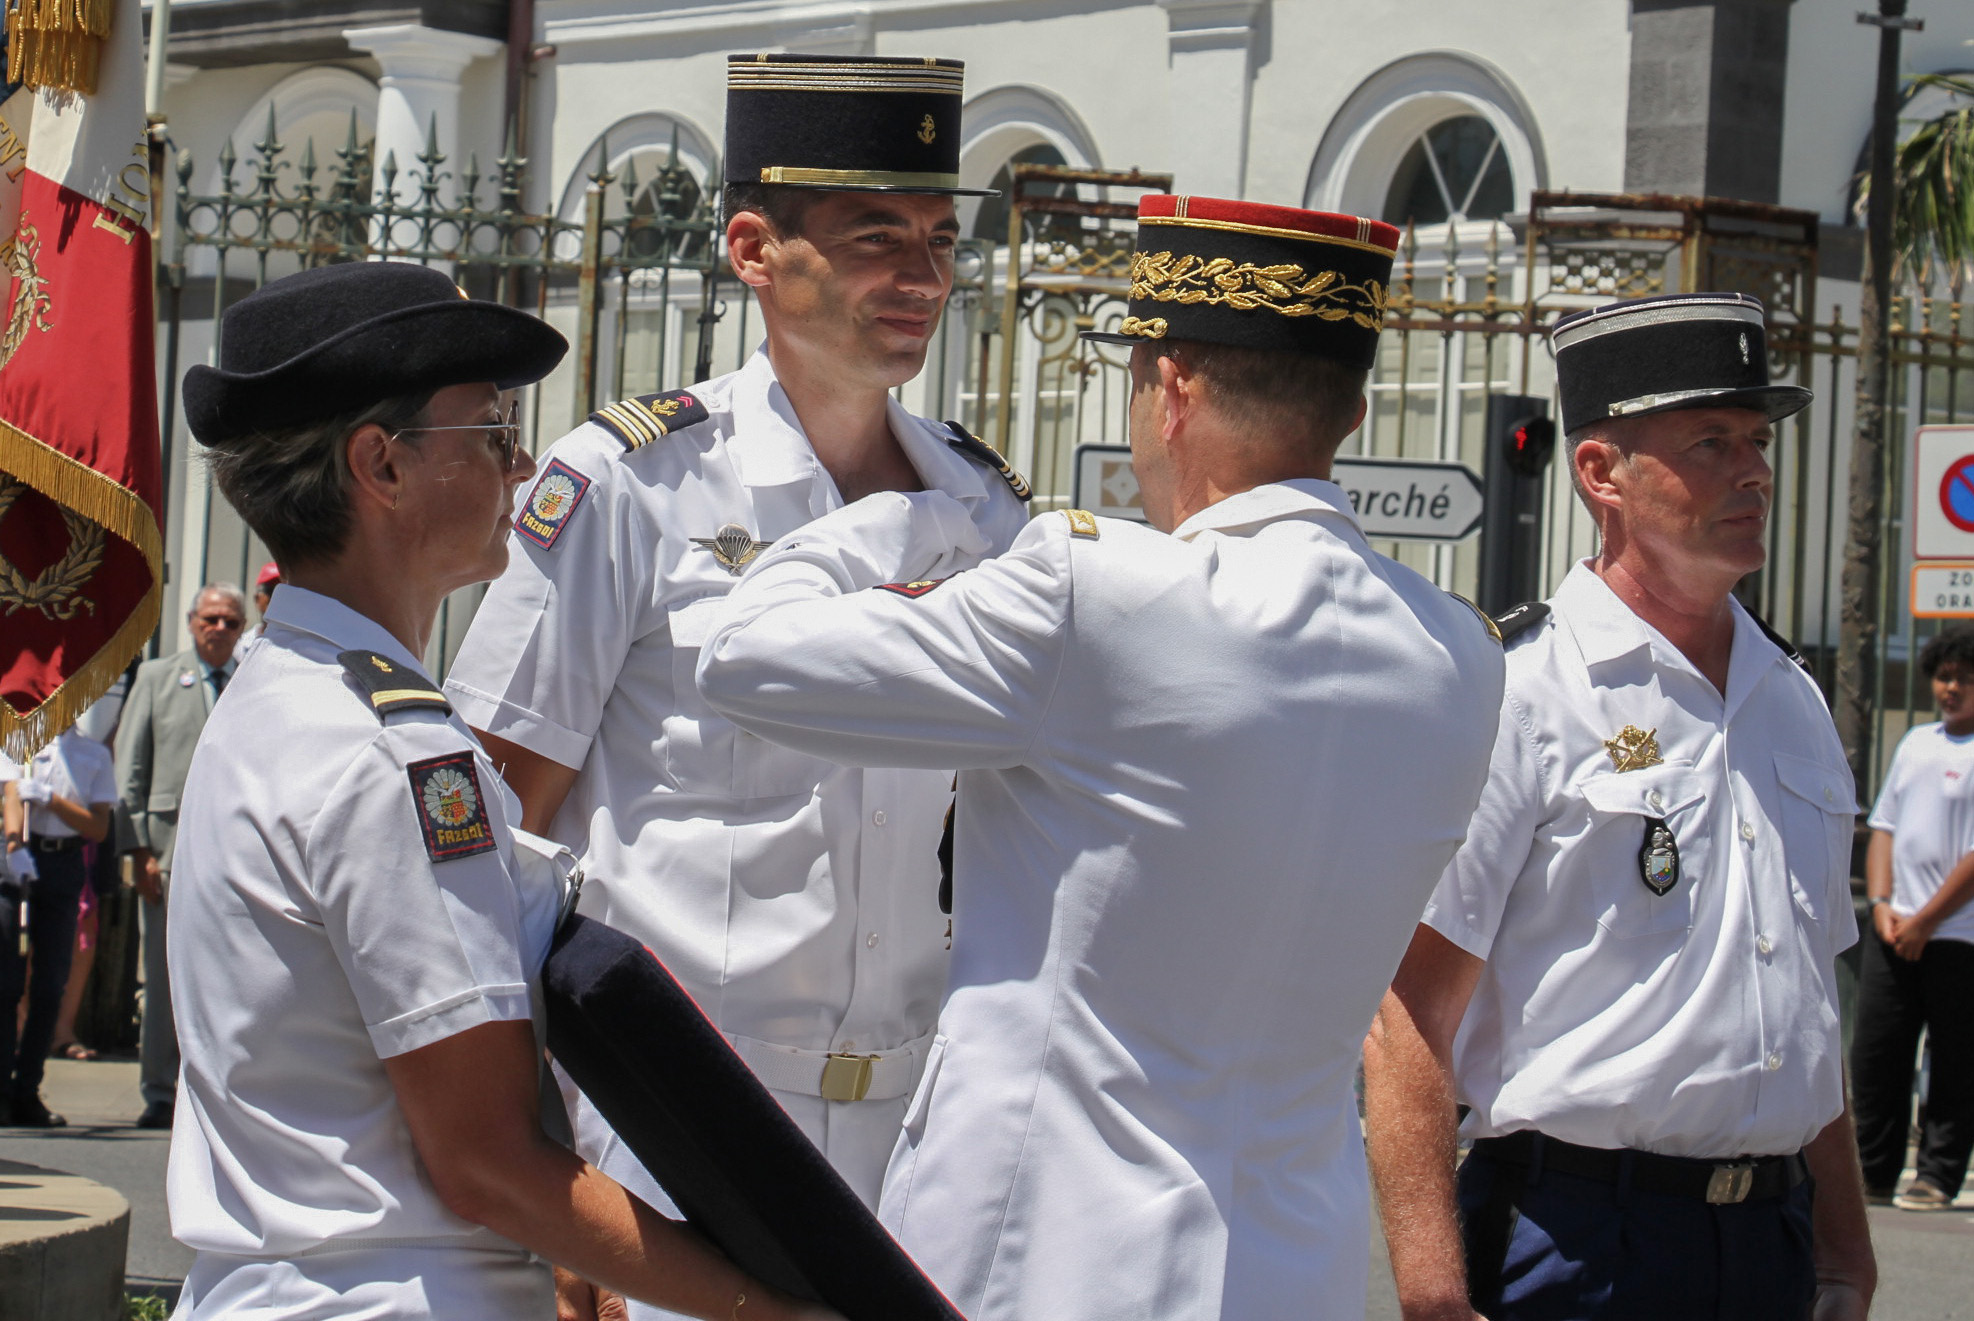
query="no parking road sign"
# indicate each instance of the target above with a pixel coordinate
(1943, 493)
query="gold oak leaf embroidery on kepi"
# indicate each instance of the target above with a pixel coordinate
(1286, 288)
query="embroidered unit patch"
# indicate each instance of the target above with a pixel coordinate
(551, 504)
(913, 590)
(452, 812)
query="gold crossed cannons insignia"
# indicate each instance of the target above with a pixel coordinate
(733, 546)
(1633, 749)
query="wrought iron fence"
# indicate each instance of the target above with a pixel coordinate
(636, 281)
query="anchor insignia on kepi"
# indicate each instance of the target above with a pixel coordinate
(1633, 749)
(733, 546)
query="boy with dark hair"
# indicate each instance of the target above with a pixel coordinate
(1918, 971)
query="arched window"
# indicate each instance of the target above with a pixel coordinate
(1455, 170)
(990, 222)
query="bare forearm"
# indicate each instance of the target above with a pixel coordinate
(90, 823)
(1842, 1233)
(1410, 1137)
(1952, 896)
(541, 783)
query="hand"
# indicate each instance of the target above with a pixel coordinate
(576, 1299)
(149, 878)
(35, 791)
(1840, 1302)
(1913, 933)
(20, 864)
(1886, 923)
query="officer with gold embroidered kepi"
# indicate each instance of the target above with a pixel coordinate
(1627, 973)
(1209, 774)
(795, 898)
(355, 936)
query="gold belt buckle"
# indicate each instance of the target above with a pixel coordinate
(1730, 1184)
(846, 1077)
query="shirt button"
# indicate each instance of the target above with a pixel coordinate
(1748, 831)
(870, 941)
(877, 817)
(1773, 1062)
(846, 1045)
(1657, 800)
(1765, 945)
(1828, 796)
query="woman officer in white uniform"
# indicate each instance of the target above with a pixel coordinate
(354, 949)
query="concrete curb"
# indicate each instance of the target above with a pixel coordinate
(62, 1241)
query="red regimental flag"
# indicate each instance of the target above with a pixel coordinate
(81, 556)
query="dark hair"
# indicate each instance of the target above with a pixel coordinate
(1953, 645)
(291, 486)
(1304, 396)
(785, 207)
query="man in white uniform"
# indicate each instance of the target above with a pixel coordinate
(1635, 944)
(1180, 882)
(796, 899)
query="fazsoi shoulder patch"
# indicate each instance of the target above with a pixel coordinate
(551, 504)
(452, 811)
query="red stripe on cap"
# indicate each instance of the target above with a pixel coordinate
(1316, 224)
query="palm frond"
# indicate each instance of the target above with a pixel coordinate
(1933, 188)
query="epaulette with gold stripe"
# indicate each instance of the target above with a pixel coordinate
(640, 420)
(391, 687)
(988, 457)
(1487, 620)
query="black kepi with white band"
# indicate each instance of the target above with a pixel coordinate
(860, 123)
(1654, 355)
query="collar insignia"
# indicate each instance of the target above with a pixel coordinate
(733, 546)
(1633, 749)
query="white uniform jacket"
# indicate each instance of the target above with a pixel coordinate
(796, 899)
(1698, 1022)
(344, 892)
(1207, 783)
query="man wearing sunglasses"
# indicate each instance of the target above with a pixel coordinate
(168, 705)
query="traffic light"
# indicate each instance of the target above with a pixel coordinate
(1520, 441)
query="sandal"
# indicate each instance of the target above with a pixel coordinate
(1920, 1195)
(73, 1050)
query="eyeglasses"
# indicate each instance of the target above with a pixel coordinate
(504, 435)
(221, 621)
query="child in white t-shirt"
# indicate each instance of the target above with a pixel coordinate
(1918, 967)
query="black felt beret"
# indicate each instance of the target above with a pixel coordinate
(1655, 355)
(334, 339)
(714, 1137)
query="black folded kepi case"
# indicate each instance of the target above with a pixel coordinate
(737, 1166)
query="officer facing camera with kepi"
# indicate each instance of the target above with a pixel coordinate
(1627, 973)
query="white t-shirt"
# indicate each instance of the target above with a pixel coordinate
(77, 768)
(1927, 807)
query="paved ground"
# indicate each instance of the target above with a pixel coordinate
(1926, 1261)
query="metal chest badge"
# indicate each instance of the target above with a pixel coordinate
(1633, 749)
(1658, 857)
(733, 546)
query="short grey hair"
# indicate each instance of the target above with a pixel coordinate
(229, 591)
(291, 485)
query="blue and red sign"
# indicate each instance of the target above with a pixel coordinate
(1957, 493)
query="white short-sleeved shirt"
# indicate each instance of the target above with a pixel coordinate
(1698, 1022)
(1180, 885)
(1927, 806)
(796, 899)
(344, 892)
(77, 768)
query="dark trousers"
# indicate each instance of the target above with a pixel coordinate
(53, 903)
(1895, 998)
(1543, 1246)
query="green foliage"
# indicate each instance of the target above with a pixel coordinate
(1933, 188)
(145, 1307)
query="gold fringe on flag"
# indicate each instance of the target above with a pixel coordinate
(57, 43)
(118, 510)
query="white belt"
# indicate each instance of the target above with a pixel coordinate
(835, 1075)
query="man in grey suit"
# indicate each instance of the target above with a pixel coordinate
(167, 709)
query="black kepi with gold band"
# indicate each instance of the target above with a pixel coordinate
(861, 123)
(1655, 355)
(1257, 276)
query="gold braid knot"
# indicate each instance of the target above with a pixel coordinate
(1286, 289)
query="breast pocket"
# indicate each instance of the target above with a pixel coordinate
(1646, 825)
(1819, 812)
(706, 753)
